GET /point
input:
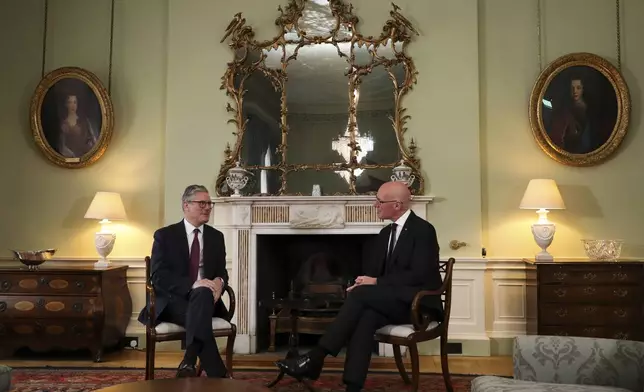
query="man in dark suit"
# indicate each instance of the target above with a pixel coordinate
(403, 262)
(188, 272)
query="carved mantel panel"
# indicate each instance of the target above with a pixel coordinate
(325, 216)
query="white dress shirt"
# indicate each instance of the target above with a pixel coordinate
(190, 233)
(401, 223)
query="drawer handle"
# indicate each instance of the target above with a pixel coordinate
(589, 290)
(3, 306)
(590, 309)
(41, 303)
(560, 275)
(77, 307)
(76, 330)
(620, 313)
(562, 312)
(590, 331)
(589, 276)
(6, 285)
(619, 276)
(44, 281)
(560, 292)
(620, 292)
(80, 285)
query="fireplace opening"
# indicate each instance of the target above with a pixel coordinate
(303, 265)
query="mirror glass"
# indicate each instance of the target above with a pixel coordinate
(319, 104)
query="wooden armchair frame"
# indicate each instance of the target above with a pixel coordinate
(152, 336)
(421, 330)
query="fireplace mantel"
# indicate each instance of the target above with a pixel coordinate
(304, 212)
(242, 219)
(311, 199)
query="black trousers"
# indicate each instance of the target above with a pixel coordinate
(366, 309)
(195, 314)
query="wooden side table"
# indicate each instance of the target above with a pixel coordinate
(63, 308)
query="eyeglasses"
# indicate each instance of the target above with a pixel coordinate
(203, 203)
(385, 201)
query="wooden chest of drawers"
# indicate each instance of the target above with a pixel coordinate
(63, 308)
(591, 299)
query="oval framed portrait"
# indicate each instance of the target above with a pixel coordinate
(580, 109)
(71, 117)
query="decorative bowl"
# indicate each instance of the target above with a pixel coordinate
(603, 250)
(33, 258)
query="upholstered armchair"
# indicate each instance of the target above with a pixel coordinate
(561, 363)
(164, 332)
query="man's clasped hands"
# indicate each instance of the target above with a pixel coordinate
(214, 285)
(361, 281)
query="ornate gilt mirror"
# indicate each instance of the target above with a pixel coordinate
(319, 104)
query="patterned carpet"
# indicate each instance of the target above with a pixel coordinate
(82, 380)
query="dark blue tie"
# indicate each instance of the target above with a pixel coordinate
(392, 242)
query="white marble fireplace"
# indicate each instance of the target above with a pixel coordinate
(242, 219)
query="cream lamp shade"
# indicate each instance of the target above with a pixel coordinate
(542, 195)
(106, 206)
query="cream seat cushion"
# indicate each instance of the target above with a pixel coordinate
(163, 327)
(402, 330)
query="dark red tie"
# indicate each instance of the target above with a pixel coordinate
(194, 256)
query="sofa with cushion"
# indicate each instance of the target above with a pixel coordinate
(561, 363)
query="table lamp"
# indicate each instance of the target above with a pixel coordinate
(105, 206)
(542, 195)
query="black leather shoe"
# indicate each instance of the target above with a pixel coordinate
(185, 370)
(301, 367)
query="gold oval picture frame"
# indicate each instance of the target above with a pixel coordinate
(72, 117)
(579, 109)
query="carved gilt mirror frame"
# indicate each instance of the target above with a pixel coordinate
(307, 28)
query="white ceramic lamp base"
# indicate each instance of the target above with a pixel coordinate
(104, 242)
(543, 234)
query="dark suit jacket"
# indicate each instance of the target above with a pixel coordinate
(170, 262)
(414, 266)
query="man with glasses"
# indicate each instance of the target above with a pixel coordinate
(402, 262)
(188, 272)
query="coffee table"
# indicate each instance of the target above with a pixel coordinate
(190, 384)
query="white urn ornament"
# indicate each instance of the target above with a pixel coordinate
(237, 179)
(402, 173)
(543, 234)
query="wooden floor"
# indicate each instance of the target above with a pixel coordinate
(170, 359)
